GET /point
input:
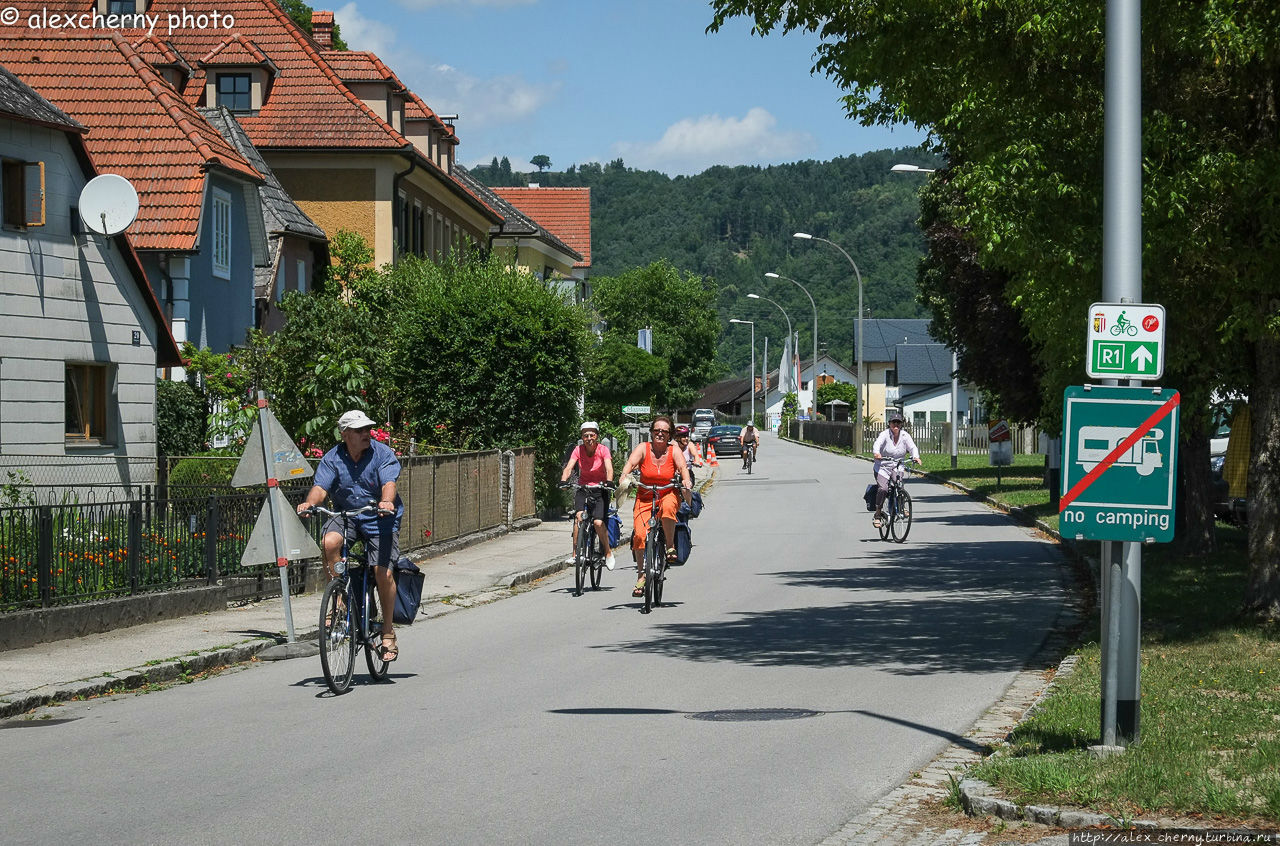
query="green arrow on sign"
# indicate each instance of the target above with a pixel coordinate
(1122, 357)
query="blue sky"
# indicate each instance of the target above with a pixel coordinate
(584, 80)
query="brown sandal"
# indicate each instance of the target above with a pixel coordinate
(388, 651)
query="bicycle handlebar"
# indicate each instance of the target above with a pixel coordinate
(325, 512)
(602, 486)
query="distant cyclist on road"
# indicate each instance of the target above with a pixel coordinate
(749, 437)
(355, 473)
(595, 465)
(892, 443)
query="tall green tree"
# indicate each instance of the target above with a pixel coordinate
(679, 308)
(1013, 92)
(494, 355)
(541, 162)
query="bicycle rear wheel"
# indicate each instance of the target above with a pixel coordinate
(337, 645)
(660, 579)
(901, 524)
(373, 636)
(886, 523)
(596, 558)
(652, 549)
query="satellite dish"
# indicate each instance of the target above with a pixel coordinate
(108, 204)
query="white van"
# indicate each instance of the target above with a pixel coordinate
(703, 420)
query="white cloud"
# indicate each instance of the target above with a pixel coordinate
(481, 102)
(692, 145)
(361, 33)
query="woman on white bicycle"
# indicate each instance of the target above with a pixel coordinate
(892, 443)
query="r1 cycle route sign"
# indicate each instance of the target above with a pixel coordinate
(1126, 341)
(1119, 453)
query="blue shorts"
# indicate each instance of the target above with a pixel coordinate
(381, 539)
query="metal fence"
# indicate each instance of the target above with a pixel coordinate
(78, 552)
(929, 437)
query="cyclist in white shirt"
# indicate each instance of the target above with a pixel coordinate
(892, 443)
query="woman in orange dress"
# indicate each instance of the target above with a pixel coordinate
(659, 464)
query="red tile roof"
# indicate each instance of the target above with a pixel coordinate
(564, 212)
(308, 105)
(138, 126)
(359, 66)
(235, 50)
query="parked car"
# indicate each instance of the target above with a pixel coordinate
(1224, 506)
(725, 440)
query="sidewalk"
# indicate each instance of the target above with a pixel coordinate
(162, 651)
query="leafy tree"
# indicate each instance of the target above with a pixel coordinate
(679, 308)
(541, 162)
(180, 418)
(843, 391)
(1013, 92)
(496, 355)
(620, 373)
(301, 14)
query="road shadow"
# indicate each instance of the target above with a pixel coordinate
(980, 608)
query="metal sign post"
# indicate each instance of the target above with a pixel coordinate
(279, 535)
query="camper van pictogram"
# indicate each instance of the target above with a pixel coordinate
(1096, 443)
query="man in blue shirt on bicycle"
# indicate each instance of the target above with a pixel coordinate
(357, 472)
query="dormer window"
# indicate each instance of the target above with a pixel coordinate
(121, 7)
(234, 92)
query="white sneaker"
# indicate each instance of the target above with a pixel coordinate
(609, 561)
(569, 559)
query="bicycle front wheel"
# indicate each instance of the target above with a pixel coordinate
(337, 645)
(660, 577)
(582, 558)
(901, 524)
(373, 637)
(887, 520)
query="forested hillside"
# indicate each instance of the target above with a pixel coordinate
(734, 224)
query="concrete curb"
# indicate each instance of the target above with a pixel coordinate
(136, 677)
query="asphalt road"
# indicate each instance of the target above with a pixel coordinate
(801, 669)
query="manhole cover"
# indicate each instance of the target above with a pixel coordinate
(746, 715)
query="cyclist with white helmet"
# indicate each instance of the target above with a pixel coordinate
(892, 443)
(595, 465)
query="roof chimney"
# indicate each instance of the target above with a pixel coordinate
(322, 29)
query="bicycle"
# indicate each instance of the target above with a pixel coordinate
(897, 505)
(587, 557)
(655, 551)
(354, 624)
(1123, 326)
(748, 456)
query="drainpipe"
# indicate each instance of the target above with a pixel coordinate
(395, 198)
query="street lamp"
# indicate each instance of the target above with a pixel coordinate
(784, 314)
(752, 377)
(862, 382)
(955, 364)
(813, 368)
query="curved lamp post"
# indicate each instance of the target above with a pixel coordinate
(862, 382)
(752, 378)
(955, 364)
(813, 368)
(788, 318)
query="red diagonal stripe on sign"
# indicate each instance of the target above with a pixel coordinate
(1092, 476)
